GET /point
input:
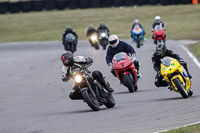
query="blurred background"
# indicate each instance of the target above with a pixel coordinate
(16, 6)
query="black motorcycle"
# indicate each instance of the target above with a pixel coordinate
(103, 38)
(70, 42)
(91, 90)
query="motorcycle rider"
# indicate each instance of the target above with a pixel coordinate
(117, 46)
(102, 27)
(161, 52)
(68, 61)
(158, 22)
(137, 22)
(68, 29)
(91, 30)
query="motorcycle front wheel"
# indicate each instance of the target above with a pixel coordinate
(90, 100)
(180, 87)
(127, 81)
(110, 101)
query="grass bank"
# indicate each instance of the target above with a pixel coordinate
(182, 22)
(189, 129)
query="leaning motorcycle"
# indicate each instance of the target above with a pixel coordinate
(70, 42)
(125, 71)
(176, 76)
(91, 90)
(137, 34)
(93, 39)
(159, 34)
(103, 39)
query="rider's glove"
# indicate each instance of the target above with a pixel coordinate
(89, 60)
(133, 58)
(152, 30)
(111, 65)
(65, 78)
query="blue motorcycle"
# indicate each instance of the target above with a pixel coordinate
(138, 37)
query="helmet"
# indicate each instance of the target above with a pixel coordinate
(113, 41)
(67, 58)
(102, 24)
(136, 21)
(161, 48)
(157, 18)
(90, 26)
(68, 28)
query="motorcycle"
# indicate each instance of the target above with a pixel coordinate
(91, 90)
(176, 76)
(70, 43)
(137, 34)
(159, 34)
(125, 71)
(93, 39)
(103, 39)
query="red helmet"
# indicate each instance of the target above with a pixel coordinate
(67, 58)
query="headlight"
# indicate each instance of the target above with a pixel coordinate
(103, 34)
(93, 37)
(78, 78)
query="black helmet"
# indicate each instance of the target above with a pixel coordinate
(161, 48)
(68, 28)
(102, 24)
(67, 58)
(90, 26)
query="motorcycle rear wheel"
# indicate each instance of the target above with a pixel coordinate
(90, 100)
(127, 81)
(180, 87)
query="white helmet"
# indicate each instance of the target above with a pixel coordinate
(157, 18)
(113, 40)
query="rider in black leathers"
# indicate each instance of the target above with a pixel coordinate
(161, 52)
(68, 29)
(68, 61)
(91, 30)
(103, 27)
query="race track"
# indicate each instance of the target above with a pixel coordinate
(33, 98)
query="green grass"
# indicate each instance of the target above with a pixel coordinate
(182, 21)
(189, 129)
(195, 49)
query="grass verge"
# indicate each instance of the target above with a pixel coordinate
(189, 129)
(182, 22)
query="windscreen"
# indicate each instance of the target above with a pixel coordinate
(166, 61)
(120, 56)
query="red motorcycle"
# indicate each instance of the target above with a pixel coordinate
(159, 34)
(125, 71)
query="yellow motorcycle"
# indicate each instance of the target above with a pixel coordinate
(176, 76)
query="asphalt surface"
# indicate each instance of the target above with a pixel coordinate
(33, 98)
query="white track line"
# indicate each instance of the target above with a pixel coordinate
(191, 56)
(178, 127)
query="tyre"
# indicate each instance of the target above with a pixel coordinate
(26, 6)
(138, 42)
(49, 4)
(90, 100)
(4, 7)
(38, 5)
(190, 92)
(128, 83)
(180, 87)
(14, 7)
(104, 43)
(136, 87)
(110, 101)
